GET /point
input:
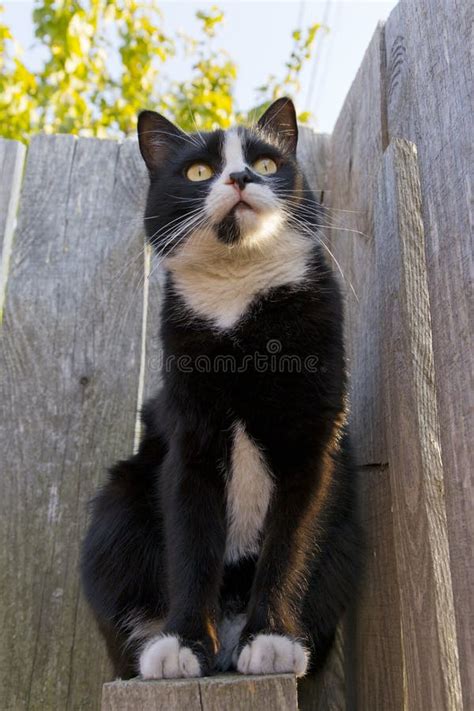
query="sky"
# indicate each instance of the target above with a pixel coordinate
(257, 35)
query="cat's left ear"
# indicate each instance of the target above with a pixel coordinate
(157, 138)
(280, 119)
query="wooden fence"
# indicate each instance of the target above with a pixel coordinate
(79, 351)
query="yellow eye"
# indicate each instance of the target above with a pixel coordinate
(265, 166)
(199, 171)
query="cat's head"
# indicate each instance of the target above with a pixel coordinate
(232, 189)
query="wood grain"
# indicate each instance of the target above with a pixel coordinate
(12, 157)
(357, 145)
(314, 152)
(430, 102)
(249, 693)
(371, 646)
(373, 640)
(70, 356)
(428, 626)
(151, 696)
(217, 693)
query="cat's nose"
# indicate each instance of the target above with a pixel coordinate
(241, 178)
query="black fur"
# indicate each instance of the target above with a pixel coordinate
(155, 547)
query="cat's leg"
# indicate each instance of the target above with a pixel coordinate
(276, 637)
(333, 581)
(194, 515)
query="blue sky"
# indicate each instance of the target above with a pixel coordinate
(258, 37)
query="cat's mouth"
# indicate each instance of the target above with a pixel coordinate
(240, 208)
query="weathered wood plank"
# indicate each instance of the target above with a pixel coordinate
(430, 102)
(373, 642)
(314, 152)
(69, 358)
(248, 693)
(133, 695)
(326, 690)
(357, 145)
(140, 275)
(224, 691)
(428, 627)
(12, 156)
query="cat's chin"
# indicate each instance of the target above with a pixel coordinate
(247, 218)
(257, 228)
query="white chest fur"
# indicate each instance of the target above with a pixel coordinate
(249, 490)
(220, 286)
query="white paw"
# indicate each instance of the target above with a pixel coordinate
(272, 654)
(167, 658)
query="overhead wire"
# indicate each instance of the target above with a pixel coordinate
(318, 57)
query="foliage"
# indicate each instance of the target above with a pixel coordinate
(303, 45)
(17, 90)
(107, 59)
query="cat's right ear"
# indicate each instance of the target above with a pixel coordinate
(157, 137)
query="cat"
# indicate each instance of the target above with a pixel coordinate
(229, 540)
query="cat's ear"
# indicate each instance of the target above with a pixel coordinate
(157, 137)
(280, 119)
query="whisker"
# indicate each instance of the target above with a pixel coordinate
(315, 213)
(183, 199)
(159, 259)
(298, 191)
(310, 231)
(168, 224)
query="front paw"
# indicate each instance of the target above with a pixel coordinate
(166, 657)
(273, 654)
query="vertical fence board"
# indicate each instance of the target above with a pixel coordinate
(155, 365)
(314, 152)
(373, 642)
(12, 156)
(372, 632)
(430, 103)
(70, 356)
(428, 627)
(357, 145)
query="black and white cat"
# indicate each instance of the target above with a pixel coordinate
(229, 539)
